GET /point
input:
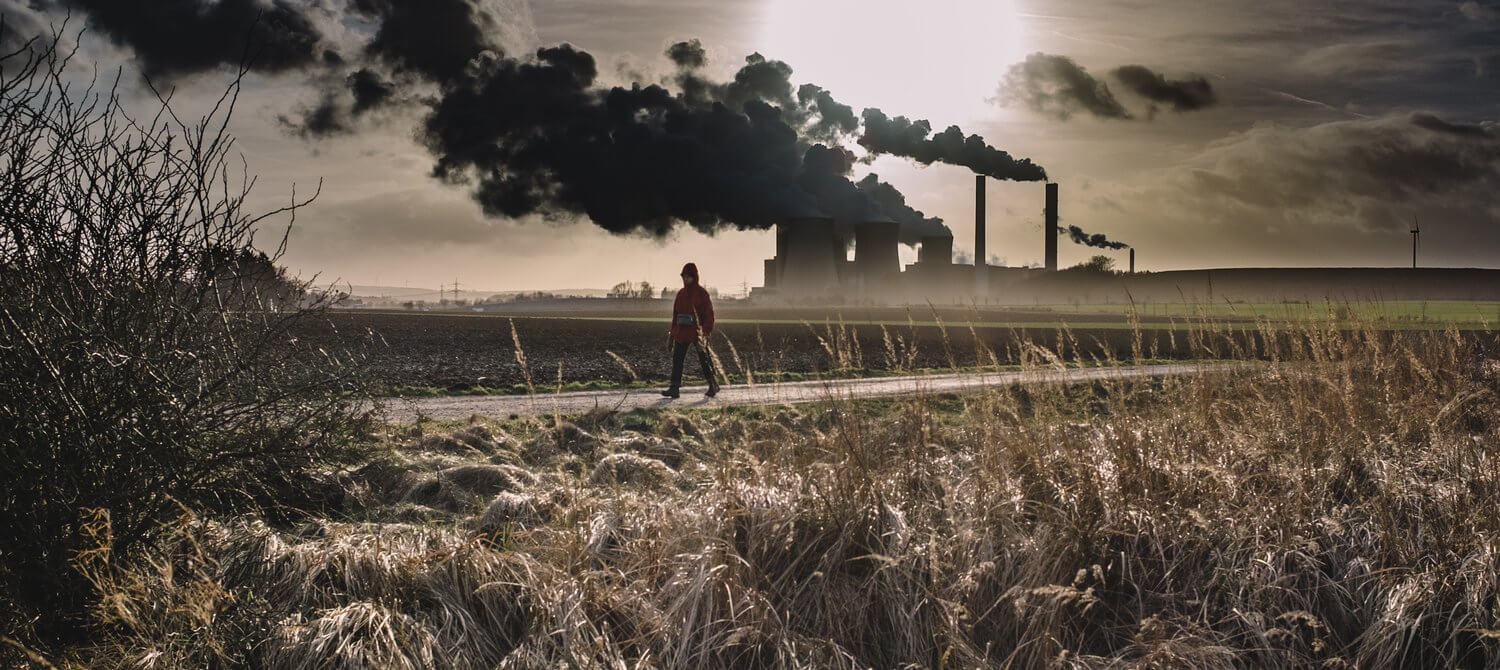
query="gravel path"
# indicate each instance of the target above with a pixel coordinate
(787, 393)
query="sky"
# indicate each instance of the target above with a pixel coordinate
(1204, 133)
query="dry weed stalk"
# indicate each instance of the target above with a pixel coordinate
(1332, 507)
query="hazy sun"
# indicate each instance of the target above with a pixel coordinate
(938, 59)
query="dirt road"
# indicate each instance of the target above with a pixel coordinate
(788, 393)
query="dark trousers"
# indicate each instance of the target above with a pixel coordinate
(679, 354)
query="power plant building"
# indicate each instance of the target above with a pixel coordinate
(811, 251)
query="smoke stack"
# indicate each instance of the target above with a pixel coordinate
(1050, 229)
(979, 258)
(1132, 260)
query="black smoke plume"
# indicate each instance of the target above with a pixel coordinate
(173, 37)
(537, 135)
(688, 55)
(1059, 87)
(435, 39)
(834, 119)
(1097, 240)
(1181, 95)
(370, 90)
(340, 107)
(910, 139)
(914, 224)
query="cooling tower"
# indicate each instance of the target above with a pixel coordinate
(1050, 229)
(875, 252)
(936, 251)
(808, 253)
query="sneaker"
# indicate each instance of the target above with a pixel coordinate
(671, 393)
(713, 390)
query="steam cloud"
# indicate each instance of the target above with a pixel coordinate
(1059, 87)
(1184, 95)
(537, 134)
(1097, 240)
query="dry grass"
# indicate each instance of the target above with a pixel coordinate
(1333, 507)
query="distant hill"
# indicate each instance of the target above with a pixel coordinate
(432, 294)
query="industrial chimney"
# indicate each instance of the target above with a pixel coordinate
(1050, 229)
(1132, 260)
(979, 257)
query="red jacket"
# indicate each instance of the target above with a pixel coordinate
(693, 310)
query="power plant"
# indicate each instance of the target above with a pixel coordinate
(811, 251)
(811, 266)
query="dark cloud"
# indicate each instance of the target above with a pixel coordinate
(1487, 66)
(1363, 174)
(172, 37)
(1437, 124)
(1059, 87)
(1180, 95)
(1480, 12)
(910, 139)
(19, 24)
(689, 55)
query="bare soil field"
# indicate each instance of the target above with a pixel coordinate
(455, 352)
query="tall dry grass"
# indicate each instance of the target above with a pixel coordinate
(1330, 506)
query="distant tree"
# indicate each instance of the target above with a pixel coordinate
(666, 291)
(645, 290)
(1100, 264)
(624, 289)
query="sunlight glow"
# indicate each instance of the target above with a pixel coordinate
(939, 59)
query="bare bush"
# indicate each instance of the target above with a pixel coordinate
(148, 350)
